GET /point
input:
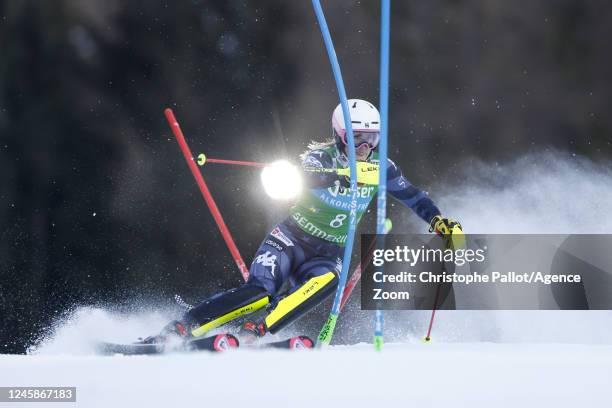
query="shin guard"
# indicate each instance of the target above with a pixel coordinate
(224, 307)
(301, 301)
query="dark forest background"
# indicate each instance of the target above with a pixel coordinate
(97, 206)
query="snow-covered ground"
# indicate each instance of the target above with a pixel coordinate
(412, 375)
(527, 366)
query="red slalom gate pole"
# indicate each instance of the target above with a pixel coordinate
(364, 263)
(357, 275)
(227, 236)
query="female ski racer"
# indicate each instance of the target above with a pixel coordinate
(304, 252)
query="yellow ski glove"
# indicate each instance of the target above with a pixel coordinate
(449, 230)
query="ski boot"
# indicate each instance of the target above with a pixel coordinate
(175, 332)
(250, 332)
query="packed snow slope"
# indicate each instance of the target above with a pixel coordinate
(477, 359)
(412, 375)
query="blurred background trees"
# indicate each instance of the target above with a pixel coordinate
(97, 205)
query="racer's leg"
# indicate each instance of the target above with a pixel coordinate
(270, 268)
(316, 279)
(224, 307)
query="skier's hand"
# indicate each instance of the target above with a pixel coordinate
(367, 173)
(449, 230)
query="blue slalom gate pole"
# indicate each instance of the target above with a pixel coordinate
(381, 213)
(327, 331)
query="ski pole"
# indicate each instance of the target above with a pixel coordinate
(433, 314)
(350, 285)
(227, 236)
(327, 330)
(448, 245)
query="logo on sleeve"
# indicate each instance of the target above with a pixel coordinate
(267, 259)
(338, 266)
(278, 234)
(274, 245)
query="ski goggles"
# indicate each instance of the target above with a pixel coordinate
(369, 138)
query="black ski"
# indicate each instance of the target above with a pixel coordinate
(219, 342)
(128, 349)
(293, 343)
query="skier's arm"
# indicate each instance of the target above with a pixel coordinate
(314, 161)
(400, 188)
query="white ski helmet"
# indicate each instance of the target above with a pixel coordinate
(365, 120)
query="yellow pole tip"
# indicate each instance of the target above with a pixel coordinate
(426, 339)
(201, 159)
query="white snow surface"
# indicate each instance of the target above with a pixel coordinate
(412, 375)
(476, 359)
